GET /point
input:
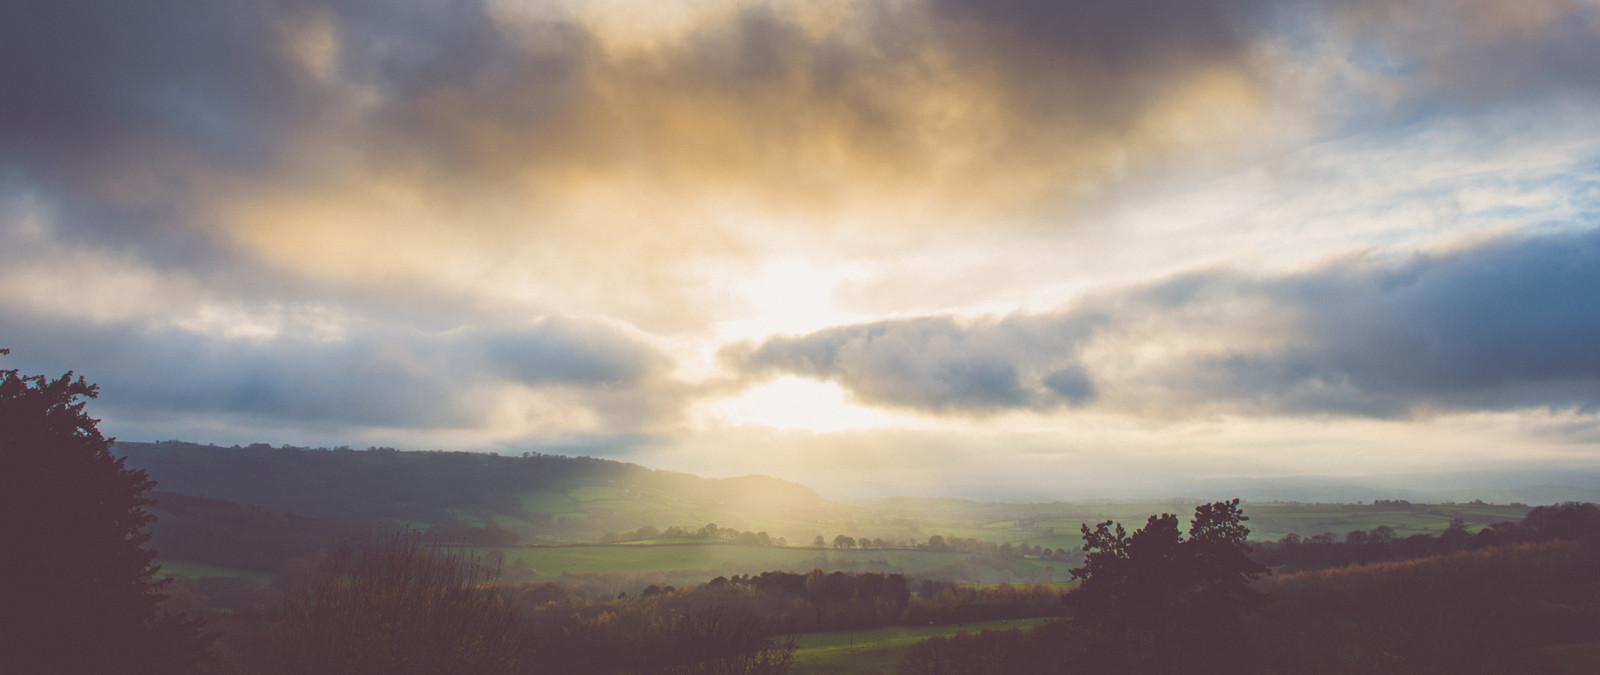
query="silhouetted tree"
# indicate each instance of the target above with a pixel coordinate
(1569, 520)
(78, 593)
(1154, 602)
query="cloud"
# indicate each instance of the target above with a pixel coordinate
(346, 212)
(556, 375)
(1478, 52)
(1504, 324)
(536, 161)
(939, 363)
(533, 158)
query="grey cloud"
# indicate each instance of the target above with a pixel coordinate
(568, 353)
(1507, 324)
(1480, 51)
(1103, 59)
(391, 375)
(941, 364)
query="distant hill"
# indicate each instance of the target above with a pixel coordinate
(535, 498)
(1527, 487)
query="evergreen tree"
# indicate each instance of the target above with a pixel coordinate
(77, 585)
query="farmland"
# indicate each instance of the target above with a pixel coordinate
(699, 561)
(878, 649)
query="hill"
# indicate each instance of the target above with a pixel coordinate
(533, 498)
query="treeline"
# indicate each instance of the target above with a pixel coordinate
(711, 532)
(1294, 553)
(938, 543)
(1480, 603)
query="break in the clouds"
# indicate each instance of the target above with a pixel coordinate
(505, 222)
(1505, 324)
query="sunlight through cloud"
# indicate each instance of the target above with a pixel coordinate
(797, 404)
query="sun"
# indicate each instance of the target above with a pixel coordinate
(796, 404)
(788, 296)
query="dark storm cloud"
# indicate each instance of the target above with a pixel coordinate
(379, 376)
(1507, 324)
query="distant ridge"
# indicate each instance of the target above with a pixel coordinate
(1533, 488)
(539, 498)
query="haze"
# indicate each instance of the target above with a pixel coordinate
(993, 248)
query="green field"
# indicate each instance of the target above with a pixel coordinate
(879, 649)
(1577, 658)
(710, 559)
(1053, 526)
(171, 568)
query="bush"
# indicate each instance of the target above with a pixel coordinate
(397, 607)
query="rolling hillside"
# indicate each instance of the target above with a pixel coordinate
(534, 499)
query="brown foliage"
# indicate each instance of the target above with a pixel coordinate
(397, 607)
(1482, 611)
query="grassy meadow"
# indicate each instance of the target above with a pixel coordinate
(879, 649)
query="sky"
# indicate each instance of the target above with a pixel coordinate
(1010, 249)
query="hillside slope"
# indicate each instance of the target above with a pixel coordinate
(537, 498)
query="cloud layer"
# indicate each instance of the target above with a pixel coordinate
(561, 377)
(501, 221)
(470, 145)
(1505, 324)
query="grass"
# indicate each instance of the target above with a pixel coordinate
(545, 501)
(591, 494)
(192, 570)
(877, 650)
(1577, 657)
(712, 559)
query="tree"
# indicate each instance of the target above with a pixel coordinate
(79, 591)
(1156, 602)
(396, 607)
(709, 641)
